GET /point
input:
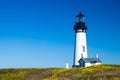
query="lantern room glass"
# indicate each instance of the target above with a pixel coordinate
(80, 19)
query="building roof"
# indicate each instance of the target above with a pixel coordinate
(80, 15)
(91, 60)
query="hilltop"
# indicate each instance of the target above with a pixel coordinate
(99, 72)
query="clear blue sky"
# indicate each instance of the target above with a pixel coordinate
(39, 33)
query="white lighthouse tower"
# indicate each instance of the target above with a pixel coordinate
(80, 50)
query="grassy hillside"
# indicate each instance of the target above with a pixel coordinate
(100, 72)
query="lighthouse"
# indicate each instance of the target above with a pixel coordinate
(80, 48)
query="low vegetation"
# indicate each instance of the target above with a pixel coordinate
(99, 72)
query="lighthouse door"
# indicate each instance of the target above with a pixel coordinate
(82, 63)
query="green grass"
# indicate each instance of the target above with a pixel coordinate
(99, 72)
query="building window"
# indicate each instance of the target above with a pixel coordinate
(83, 48)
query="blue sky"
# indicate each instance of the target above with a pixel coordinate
(39, 33)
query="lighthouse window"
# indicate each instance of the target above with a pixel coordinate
(83, 48)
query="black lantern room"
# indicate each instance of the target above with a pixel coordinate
(80, 24)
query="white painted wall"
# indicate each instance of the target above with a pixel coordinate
(80, 42)
(67, 65)
(97, 63)
(89, 64)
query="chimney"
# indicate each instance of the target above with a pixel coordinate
(96, 55)
(81, 55)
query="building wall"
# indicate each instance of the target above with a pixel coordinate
(91, 64)
(87, 64)
(80, 47)
(98, 63)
